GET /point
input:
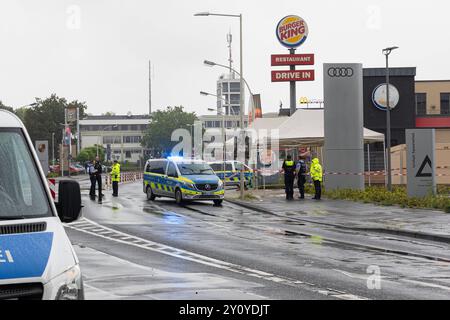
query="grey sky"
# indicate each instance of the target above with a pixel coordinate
(98, 50)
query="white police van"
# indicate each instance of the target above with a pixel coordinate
(182, 179)
(37, 260)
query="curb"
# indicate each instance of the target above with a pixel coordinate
(398, 232)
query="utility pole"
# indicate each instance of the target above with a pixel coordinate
(149, 87)
(387, 52)
(53, 148)
(78, 131)
(230, 57)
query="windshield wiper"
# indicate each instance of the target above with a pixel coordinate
(12, 218)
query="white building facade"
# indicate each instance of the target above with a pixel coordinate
(228, 95)
(120, 135)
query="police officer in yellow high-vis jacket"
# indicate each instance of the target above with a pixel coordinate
(115, 178)
(317, 176)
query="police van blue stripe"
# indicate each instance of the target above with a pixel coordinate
(24, 255)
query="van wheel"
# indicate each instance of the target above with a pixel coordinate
(178, 197)
(218, 202)
(150, 195)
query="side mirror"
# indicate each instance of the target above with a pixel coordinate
(69, 204)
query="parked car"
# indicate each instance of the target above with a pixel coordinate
(82, 169)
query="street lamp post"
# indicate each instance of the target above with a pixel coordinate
(53, 148)
(387, 52)
(241, 109)
(191, 128)
(211, 64)
(223, 129)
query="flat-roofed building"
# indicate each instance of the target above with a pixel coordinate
(433, 107)
(121, 135)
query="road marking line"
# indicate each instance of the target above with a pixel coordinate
(427, 284)
(197, 258)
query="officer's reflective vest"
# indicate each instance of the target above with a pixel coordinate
(115, 173)
(289, 167)
(316, 170)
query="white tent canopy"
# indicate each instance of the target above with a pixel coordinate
(304, 128)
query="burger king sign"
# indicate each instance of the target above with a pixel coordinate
(292, 31)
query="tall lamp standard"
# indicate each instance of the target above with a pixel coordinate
(241, 69)
(387, 52)
(191, 127)
(211, 64)
(223, 129)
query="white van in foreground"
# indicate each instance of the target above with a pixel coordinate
(37, 260)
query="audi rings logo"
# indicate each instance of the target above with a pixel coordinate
(340, 72)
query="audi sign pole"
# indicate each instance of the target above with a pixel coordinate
(387, 52)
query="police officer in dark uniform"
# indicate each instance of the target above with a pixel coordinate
(301, 177)
(289, 176)
(98, 177)
(91, 172)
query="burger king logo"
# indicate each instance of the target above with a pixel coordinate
(292, 31)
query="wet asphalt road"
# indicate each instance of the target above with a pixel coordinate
(131, 248)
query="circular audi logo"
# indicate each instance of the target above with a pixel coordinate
(340, 72)
(207, 187)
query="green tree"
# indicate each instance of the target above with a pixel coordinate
(90, 153)
(20, 112)
(47, 117)
(2, 106)
(163, 123)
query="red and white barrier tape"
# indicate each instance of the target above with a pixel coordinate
(52, 186)
(372, 173)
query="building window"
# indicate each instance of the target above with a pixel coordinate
(224, 87)
(128, 154)
(235, 99)
(445, 103)
(421, 104)
(235, 87)
(132, 139)
(234, 110)
(112, 140)
(133, 127)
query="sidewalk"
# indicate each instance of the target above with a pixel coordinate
(418, 223)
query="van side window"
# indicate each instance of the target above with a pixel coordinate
(158, 167)
(228, 167)
(171, 170)
(216, 166)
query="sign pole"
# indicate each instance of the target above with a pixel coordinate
(292, 88)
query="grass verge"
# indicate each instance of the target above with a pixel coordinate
(398, 196)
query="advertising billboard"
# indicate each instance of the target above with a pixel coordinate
(292, 31)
